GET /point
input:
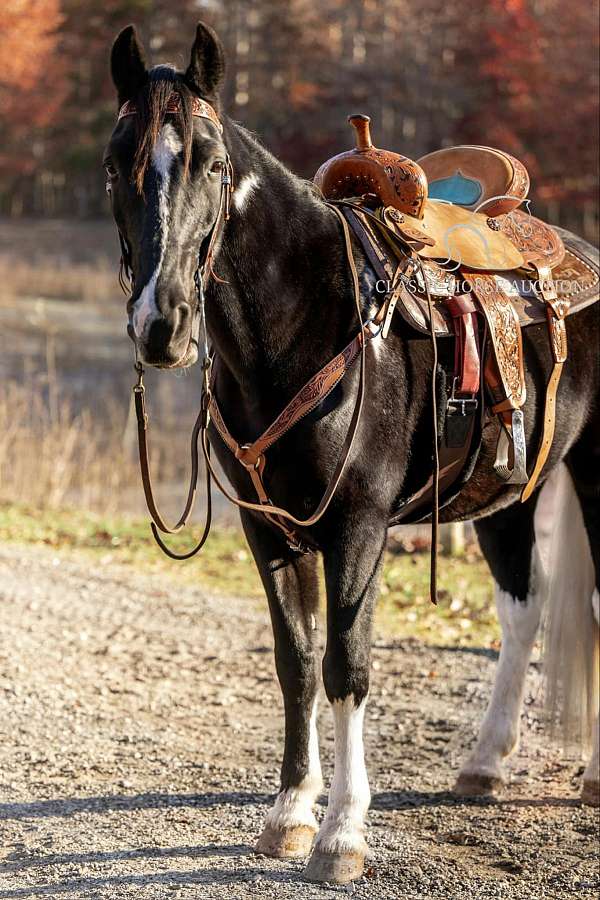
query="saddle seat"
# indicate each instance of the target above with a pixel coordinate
(477, 178)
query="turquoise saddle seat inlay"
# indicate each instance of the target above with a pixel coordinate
(456, 189)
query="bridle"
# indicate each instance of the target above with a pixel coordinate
(204, 269)
(252, 457)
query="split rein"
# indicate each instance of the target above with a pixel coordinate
(252, 456)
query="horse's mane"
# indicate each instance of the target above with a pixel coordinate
(151, 105)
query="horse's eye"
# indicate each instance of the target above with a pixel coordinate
(110, 169)
(217, 167)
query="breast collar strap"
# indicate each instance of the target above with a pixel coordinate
(252, 456)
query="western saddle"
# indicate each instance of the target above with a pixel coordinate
(449, 229)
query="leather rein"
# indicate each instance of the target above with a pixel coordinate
(253, 456)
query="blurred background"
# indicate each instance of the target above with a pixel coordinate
(518, 74)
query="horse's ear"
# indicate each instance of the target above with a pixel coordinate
(207, 64)
(127, 64)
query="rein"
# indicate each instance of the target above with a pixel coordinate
(253, 456)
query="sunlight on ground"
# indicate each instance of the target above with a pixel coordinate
(465, 614)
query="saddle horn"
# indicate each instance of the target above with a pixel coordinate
(361, 125)
(394, 179)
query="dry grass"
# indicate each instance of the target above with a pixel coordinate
(50, 454)
(50, 280)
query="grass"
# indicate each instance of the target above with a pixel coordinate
(465, 614)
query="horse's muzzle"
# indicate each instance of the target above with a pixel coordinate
(170, 341)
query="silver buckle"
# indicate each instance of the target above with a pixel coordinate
(464, 404)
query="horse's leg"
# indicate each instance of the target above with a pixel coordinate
(507, 539)
(352, 566)
(292, 590)
(584, 465)
(590, 792)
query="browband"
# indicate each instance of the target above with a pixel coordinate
(199, 108)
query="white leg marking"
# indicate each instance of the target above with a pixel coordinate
(295, 806)
(343, 828)
(244, 190)
(499, 732)
(592, 771)
(165, 151)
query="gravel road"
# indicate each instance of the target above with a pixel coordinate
(140, 733)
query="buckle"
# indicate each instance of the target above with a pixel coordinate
(462, 403)
(373, 329)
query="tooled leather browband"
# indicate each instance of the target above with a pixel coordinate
(199, 108)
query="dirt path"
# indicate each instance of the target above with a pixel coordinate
(140, 732)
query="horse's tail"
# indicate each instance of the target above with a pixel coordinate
(571, 633)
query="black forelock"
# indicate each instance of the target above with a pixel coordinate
(151, 104)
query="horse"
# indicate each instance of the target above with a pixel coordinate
(279, 303)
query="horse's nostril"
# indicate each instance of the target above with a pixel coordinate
(159, 338)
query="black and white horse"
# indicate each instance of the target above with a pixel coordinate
(281, 307)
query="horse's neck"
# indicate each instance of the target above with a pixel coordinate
(283, 267)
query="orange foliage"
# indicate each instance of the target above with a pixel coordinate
(27, 40)
(31, 77)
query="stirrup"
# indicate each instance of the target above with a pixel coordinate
(514, 438)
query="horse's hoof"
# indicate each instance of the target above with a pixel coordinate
(336, 868)
(590, 793)
(286, 842)
(471, 784)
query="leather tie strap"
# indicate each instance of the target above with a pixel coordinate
(467, 366)
(556, 311)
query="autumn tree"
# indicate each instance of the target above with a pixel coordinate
(32, 86)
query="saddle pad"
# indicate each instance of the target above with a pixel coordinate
(452, 233)
(577, 279)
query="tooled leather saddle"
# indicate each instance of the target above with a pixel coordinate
(490, 268)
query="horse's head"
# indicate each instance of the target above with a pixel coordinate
(166, 163)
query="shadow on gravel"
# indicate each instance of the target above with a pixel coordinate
(172, 880)
(412, 645)
(418, 799)
(486, 652)
(14, 863)
(70, 806)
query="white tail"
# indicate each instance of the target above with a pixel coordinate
(571, 632)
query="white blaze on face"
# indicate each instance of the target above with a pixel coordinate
(244, 190)
(165, 151)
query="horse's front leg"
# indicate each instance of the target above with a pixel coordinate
(292, 590)
(352, 568)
